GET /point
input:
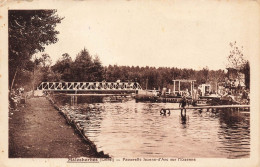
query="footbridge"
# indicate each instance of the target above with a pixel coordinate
(90, 86)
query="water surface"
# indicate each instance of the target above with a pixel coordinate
(131, 129)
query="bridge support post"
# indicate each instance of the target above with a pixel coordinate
(72, 100)
(174, 87)
(76, 98)
(179, 86)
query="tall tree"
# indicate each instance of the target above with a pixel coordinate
(97, 69)
(29, 32)
(205, 72)
(45, 60)
(64, 67)
(246, 71)
(238, 62)
(236, 58)
(82, 67)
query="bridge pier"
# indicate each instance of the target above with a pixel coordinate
(76, 98)
(73, 100)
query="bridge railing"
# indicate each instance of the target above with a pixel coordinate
(89, 86)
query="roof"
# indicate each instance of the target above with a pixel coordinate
(184, 80)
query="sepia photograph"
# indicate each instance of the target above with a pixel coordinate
(165, 83)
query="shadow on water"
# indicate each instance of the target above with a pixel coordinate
(234, 133)
(65, 99)
(183, 118)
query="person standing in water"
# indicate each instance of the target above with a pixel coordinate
(183, 104)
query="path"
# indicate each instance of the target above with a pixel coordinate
(39, 131)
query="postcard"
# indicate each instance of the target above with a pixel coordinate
(129, 83)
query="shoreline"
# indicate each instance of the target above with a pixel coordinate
(38, 130)
(77, 128)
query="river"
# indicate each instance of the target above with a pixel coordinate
(130, 129)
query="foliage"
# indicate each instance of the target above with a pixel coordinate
(246, 71)
(83, 68)
(64, 67)
(238, 62)
(97, 69)
(86, 69)
(29, 31)
(45, 60)
(236, 58)
(160, 77)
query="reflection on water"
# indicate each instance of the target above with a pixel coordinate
(130, 129)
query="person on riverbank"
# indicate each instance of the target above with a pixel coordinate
(183, 104)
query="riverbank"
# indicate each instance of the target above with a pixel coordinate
(38, 130)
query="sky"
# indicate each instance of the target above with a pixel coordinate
(194, 34)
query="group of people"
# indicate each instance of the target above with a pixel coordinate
(16, 97)
(241, 95)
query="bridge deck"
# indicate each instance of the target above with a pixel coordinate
(111, 94)
(209, 107)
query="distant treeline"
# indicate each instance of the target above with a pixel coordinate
(89, 68)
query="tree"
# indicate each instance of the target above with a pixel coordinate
(246, 71)
(97, 69)
(63, 66)
(65, 57)
(202, 76)
(238, 62)
(215, 77)
(29, 32)
(236, 58)
(45, 63)
(82, 67)
(45, 60)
